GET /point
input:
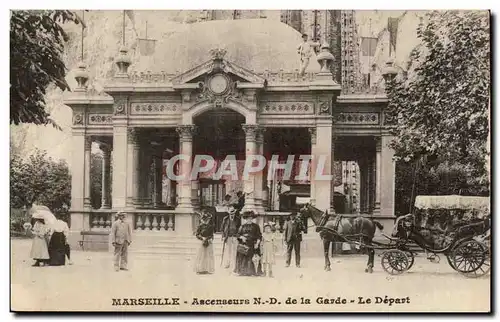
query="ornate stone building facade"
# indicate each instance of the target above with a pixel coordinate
(213, 91)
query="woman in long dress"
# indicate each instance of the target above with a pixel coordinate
(58, 243)
(205, 262)
(249, 237)
(39, 250)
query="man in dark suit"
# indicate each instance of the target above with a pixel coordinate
(230, 226)
(293, 237)
(241, 201)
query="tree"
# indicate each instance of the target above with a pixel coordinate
(441, 111)
(36, 51)
(42, 180)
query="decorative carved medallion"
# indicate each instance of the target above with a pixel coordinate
(154, 108)
(286, 108)
(78, 119)
(357, 118)
(218, 89)
(100, 119)
(120, 106)
(324, 107)
(218, 53)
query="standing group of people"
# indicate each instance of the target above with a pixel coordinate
(50, 246)
(246, 250)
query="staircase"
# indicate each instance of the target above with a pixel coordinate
(174, 246)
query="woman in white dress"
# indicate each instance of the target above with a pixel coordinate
(39, 249)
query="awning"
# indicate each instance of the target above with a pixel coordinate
(453, 202)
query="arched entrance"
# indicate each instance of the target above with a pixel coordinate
(219, 134)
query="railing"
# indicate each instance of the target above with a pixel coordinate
(141, 220)
(101, 220)
(154, 220)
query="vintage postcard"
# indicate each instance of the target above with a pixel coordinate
(250, 161)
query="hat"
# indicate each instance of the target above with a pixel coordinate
(248, 214)
(119, 214)
(267, 225)
(232, 210)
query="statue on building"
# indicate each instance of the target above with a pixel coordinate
(305, 51)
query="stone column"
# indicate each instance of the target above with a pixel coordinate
(363, 191)
(120, 165)
(106, 167)
(251, 149)
(332, 171)
(312, 132)
(259, 177)
(132, 169)
(322, 151)
(145, 175)
(88, 157)
(78, 221)
(387, 177)
(157, 181)
(378, 159)
(183, 219)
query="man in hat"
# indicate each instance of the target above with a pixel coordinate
(293, 238)
(121, 237)
(230, 226)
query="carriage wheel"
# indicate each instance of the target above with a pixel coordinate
(484, 268)
(395, 262)
(469, 257)
(411, 258)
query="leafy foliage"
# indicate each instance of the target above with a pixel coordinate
(36, 51)
(442, 108)
(440, 112)
(40, 179)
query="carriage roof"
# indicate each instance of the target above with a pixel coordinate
(453, 202)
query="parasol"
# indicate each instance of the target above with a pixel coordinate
(43, 212)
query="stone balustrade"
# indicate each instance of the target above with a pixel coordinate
(155, 221)
(141, 220)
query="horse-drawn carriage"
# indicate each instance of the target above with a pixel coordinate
(455, 226)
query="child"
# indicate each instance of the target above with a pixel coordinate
(39, 249)
(268, 249)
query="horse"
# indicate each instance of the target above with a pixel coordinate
(330, 230)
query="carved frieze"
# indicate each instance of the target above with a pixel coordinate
(286, 108)
(155, 108)
(78, 119)
(98, 119)
(357, 118)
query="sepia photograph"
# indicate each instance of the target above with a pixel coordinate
(250, 161)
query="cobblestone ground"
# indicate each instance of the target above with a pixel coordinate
(91, 284)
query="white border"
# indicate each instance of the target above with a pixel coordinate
(193, 5)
